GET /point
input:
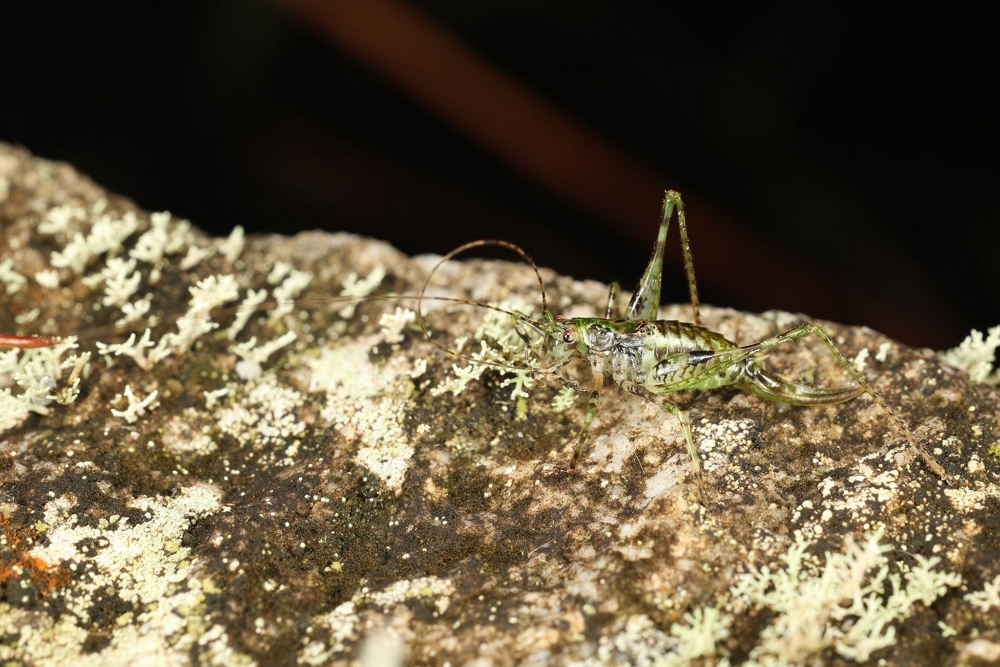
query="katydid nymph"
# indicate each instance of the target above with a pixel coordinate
(653, 358)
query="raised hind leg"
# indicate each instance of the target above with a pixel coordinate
(612, 295)
(645, 302)
(762, 383)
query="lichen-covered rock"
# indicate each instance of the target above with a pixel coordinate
(313, 482)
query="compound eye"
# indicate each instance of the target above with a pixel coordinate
(568, 336)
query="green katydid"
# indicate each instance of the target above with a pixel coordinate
(652, 358)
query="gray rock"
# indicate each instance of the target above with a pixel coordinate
(205, 500)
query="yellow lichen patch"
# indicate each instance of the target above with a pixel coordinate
(146, 567)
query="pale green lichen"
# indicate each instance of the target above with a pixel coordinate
(11, 278)
(988, 598)
(849, 604)
(564, 400)
(146, 566)
(355, 288)
(252, 355)
(262, 416)
(500, 348)
(232, 246)
(366, 400)
(36, 374)
(346, 622)
(976, 356)
(247, 307)
(393, 324)
(135, 407)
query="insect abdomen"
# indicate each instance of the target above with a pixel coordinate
(686, 357)
(666, 353)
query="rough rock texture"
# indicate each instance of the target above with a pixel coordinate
(327, 501)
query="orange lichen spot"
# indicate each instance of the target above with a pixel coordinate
(16, 562)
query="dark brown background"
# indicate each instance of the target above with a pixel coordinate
(841, 164)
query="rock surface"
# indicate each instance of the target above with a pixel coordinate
(321, 495)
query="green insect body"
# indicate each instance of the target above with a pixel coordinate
(652, 358)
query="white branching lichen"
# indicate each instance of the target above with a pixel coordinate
(48, 278)
(122, 282)
(848, 604)
(976, 356)
(195, 255)
(290, 288)
(278, 272)
(133, 312)
(131, 348)
(232, 247)
(564, 400)
(136, 408)
(36, 374)
(393, 324)
(159, 241)
(988, 598)
(61, 219)
(212, 397)
(207, 294)
(107, 234)
(11, 278)
(352, 287)
(860, 361)
(246, 308)
(253, 356)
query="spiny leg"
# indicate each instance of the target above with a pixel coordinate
(595, 391)
(810, 328)
(645, 302)
(662, 401)
(612, 295)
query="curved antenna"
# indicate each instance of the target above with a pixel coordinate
(96, 331)
(522, 318)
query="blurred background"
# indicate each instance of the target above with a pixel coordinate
(840, 165)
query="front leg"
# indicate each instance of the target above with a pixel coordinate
(662, 401)
(595, 391)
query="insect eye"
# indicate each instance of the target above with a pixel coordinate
(568, 336)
